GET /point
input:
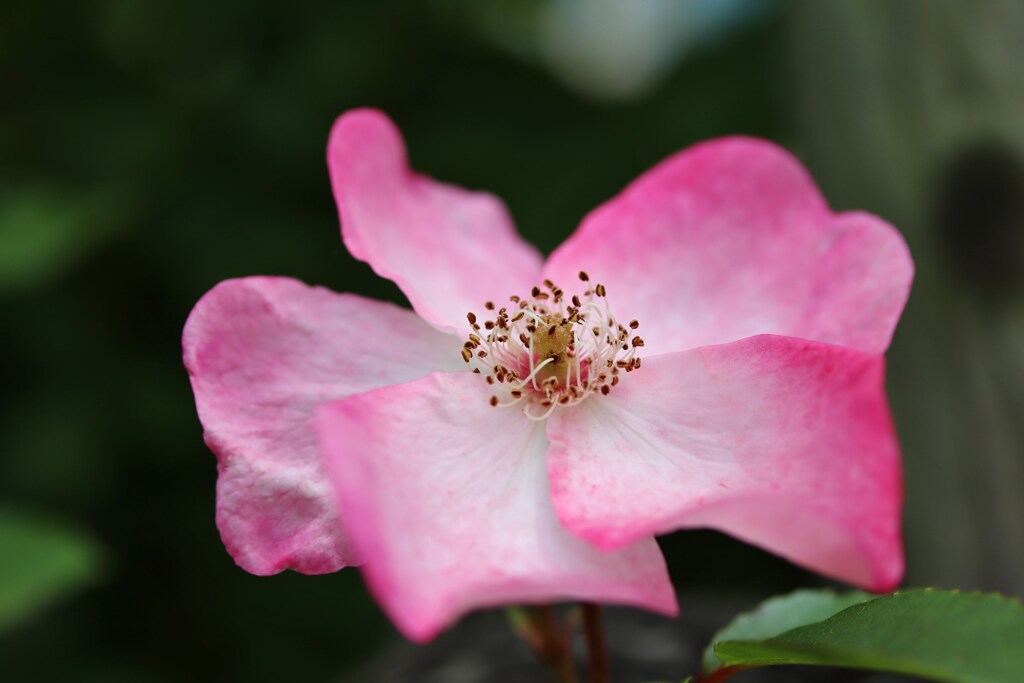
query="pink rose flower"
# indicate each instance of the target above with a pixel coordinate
(506, 443)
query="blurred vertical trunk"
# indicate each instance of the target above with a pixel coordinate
(914, 109)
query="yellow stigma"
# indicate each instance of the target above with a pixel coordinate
(553, 340)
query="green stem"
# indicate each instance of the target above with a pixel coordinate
(549, 640)
(597, 647)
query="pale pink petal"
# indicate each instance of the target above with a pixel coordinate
(730, 239)
(449, 249)
(261, 353)
(784, 443)
(447, 501)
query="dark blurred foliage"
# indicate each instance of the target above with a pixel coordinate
(150, 150)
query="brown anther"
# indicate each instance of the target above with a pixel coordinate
(535, 291)
(475, 339)
(565, 398)
(467, 355)
(584, 277)
(489, 380)
(576, 301)
(471, 317)
(615, 380)
(481, 354)
(633, 324)
(605, 390)
(596, 331)
(518, 316)
(476, 371)
(514, 299)
(551, 330)
(599, 290)
(524, 339)
(636, 366)
(489, 325)
(549, 284)
(546, 403)
(489, 305)
(517, 394)
(637, 341)
(541, 296)
(494, 400)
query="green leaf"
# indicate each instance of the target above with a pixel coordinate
(780, 614)
(40, 562)
(940, 635)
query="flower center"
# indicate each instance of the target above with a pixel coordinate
(545, 352)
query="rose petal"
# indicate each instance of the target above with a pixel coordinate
(784, 443)
(448, 249)
(447, 500)
(261, 354)
(730, 239)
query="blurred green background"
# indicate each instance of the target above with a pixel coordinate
(151, 149)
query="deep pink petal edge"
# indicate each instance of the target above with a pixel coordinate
(730, 239)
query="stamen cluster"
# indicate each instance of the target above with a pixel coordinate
(549, 352)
